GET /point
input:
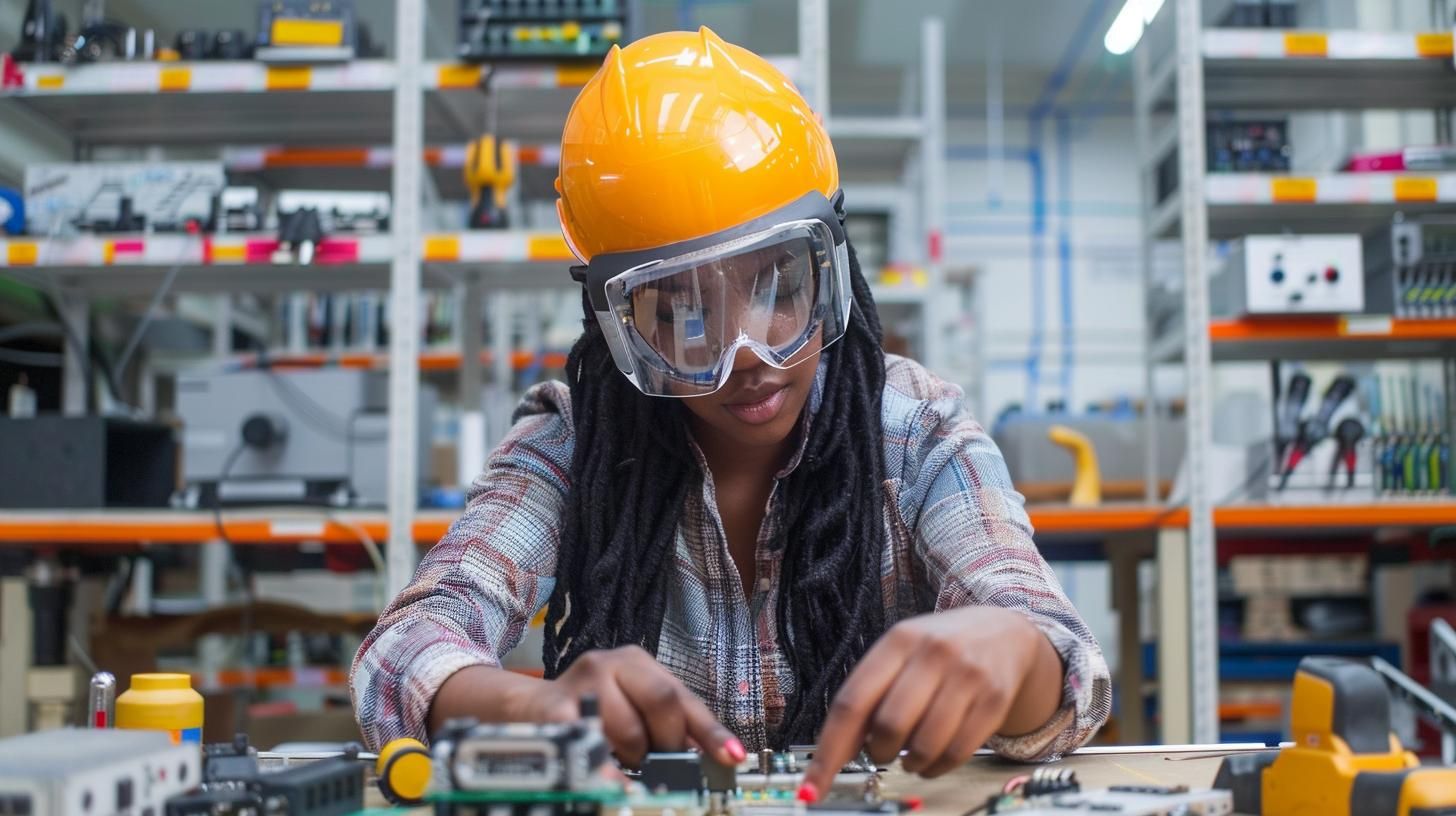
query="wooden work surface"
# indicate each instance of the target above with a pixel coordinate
(959, 791)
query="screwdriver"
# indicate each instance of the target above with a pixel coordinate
(1313, 431)
(1288, 420)
(1347, 434)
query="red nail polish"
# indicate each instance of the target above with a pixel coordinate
(808, 793)
(735, 749)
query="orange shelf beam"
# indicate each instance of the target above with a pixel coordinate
(429, 361)
(1063, 520)
(1326, 328)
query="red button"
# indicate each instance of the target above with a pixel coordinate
(1332, 274)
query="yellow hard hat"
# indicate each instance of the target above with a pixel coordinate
(681, 135)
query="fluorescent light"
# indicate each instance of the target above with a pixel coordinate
(1127, 28)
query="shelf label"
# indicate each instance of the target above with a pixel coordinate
(229, 253)
(571, 76)
(289, 78)
(1435, 44)
(1294, 190)
(459, 76)
(50, 82)
(547, 248)
(1366, 324)
(296, 528)
(1306, 44)
(175, 79)
(442, 248)
(22, 253)
(1415, 189)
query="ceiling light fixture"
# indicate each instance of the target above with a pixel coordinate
(1127, 28)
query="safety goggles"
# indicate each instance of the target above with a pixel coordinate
(675, 316)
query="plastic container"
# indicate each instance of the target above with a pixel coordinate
(162, 702)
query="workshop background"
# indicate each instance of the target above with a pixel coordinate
(1192, 263)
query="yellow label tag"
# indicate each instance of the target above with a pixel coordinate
(442, 248)
(50, 82)
(459, 76)
(22, 253)
(571, 76)
(308, 33)
(547, 248)
(1434, 44)
(229, 253)
(1414, 188)
(108, 253)
(1294, 190)
(289, 78)
(1306, 44)
(175, 79)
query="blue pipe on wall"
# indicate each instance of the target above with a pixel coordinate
(1064, 250)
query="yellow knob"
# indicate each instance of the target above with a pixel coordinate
(404, 768)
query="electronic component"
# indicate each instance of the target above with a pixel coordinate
(233, 785)
(86, 462)
(1414, 268)
(337, 212)
(1262, 14)
(306, 30)
(121, 197)
(523, 757)
(78, 771)
(1343, 760)
(332, 449)
(540, 29)
(687, 771)
(12, 212)
(1291, 274)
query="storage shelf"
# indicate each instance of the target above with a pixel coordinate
(436, 360)
(1260, 203)
(1359, 337)
(1326, 70)
(1062, 520)
(245, 101)
(1321, 518)
(131, 264)
(135, 527)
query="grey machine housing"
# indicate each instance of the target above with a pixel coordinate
(326, 437)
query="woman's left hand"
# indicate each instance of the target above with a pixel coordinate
(938, 686)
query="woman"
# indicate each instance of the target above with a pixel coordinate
(749, 526)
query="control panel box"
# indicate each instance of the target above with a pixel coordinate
(1291, 274)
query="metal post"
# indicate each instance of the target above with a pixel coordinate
(1201, 596)
(472, 449)
(932, 176)
(813, 79)
(404, 336)
(75, 310)
(1147, 172)
(212, 572)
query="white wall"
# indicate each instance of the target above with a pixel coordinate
(990, 227)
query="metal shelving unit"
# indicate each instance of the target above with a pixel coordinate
(1183, 70)
(279, 124)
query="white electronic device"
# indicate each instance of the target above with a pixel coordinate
(97, 771)
(120, 196)
(1291, 274)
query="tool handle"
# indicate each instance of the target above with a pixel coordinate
(1339, 391)
(1293, 406)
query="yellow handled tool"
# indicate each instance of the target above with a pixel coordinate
(1087, 485)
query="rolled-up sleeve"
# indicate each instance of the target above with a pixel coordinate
(474, 593)
(974, 539)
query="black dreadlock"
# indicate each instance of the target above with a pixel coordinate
(630, 474)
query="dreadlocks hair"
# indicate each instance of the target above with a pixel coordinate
(631, 470)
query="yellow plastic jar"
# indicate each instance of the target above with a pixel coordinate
(162, 702)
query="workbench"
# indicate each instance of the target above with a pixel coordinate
(967, 788)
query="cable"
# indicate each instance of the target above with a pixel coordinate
(38, 359)
(149, 315)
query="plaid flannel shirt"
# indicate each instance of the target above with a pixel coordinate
(958, 535)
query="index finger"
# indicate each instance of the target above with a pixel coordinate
(849, 717)
(647, 680)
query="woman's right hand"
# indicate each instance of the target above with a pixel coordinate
(643, 706)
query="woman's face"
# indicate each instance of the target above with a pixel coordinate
(759, 405)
